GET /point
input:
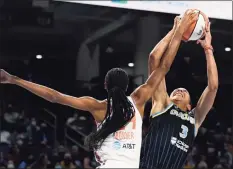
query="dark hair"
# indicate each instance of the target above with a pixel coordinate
(119, 109)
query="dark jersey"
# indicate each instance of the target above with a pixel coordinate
(170, 136)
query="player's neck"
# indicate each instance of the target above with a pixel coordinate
(181, 106)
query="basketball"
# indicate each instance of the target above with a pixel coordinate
(197, 30)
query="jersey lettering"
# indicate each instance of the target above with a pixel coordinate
(126, 133)
(128, 146)
(183, 116)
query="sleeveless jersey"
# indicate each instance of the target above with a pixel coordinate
(122, 148)
(170, 136)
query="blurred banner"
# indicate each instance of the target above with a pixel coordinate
(214, 9)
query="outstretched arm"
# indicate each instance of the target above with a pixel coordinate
(207, 98)
(158, 51)
(160, 95)
(83, 103)
(144, 92)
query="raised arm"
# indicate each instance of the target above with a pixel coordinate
(207, 98)
(158, 51)
(144, 92)
(82, 103)
(160, 95)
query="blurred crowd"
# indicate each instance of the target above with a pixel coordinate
(27, 142)
(212, 149)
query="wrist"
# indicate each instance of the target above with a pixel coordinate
(180, 29)
(178, 33)
(208, 48)
(209, 53)
(13, 79)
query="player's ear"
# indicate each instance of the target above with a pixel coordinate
(189, 107)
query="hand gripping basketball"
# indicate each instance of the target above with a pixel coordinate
(196, 26)
(190, 17)
(206, 43)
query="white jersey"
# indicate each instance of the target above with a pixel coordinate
(122, 149)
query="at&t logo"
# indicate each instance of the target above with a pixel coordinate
(116, 145)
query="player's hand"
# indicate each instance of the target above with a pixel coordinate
(206, 43)
(5, 77)
(190, 16)
(176, 22)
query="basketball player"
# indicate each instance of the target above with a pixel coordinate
(117, 141)
(174, 124)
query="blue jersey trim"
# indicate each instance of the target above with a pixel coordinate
(159, 113)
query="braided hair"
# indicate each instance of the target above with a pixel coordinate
(120, 110)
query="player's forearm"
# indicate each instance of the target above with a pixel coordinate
(172, 49)
(212, 71)
(39, 90)
(158, 51)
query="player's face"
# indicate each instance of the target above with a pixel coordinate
(181, 95)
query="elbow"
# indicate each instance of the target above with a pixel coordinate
(54, 97)
(151, 55)
(153, 58)
(213, 87)
(53, 100)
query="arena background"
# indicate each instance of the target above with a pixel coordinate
(70, 47)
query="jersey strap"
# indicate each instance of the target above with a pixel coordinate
(164, 111)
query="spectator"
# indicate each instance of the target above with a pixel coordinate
(3, 162)
(72, 119)
(61, 152)
(14, 154)
(33, 131)
(30, 160)
(21, 122)
(13, 137)
(76, 156)
(228, 155)
(54, 159)
(202, 164)
(87, 162)
(67, 162)
(222, 164)
(44, 134)
(41, 163)
(5, 137)
(22, 165)
(190, 162)
(10, 164)
(11, 116)
(58, 166)
(218, 166)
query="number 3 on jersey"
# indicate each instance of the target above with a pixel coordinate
(184, 132)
